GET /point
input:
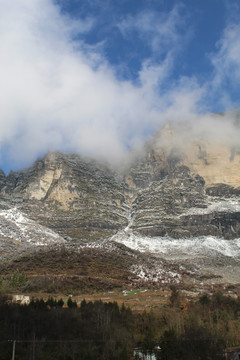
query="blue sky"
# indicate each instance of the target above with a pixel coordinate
(98, 77)
(199, 24)
(132, 32)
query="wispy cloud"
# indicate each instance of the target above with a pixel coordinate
(222, 85)
(159, 31)
(226, 60)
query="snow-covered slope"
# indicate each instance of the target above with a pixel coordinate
(206, 258)
(20, 236)
(155, 260)
(170, 248)
(18, 233)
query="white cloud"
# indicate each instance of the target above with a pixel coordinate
(161, 31)
(55, 94)
(60, 94)
(226, 62)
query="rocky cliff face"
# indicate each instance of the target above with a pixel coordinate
(74, 196)
(173, 189)
(192, 188)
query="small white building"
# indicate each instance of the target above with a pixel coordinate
(21, 299)
(138, 354)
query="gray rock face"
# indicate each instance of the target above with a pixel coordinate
(159, 208)
(223, 191)
(71, 195)
(179, 206)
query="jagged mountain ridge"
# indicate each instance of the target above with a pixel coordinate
(164, 192)
(173, 190)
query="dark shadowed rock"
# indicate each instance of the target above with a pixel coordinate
(2, 178)
(222, 190)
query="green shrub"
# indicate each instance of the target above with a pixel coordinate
(18, 280)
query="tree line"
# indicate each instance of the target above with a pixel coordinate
(45, 330)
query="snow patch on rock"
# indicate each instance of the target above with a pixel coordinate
(155, 274)
(16, 227)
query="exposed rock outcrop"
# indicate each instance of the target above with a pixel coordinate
(2, 178)
(72, 195)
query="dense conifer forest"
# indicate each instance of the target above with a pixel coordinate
(198, 329)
